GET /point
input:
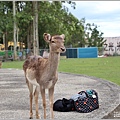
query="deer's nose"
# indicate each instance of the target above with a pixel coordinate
(63, 49)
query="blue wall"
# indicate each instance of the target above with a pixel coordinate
(90, 52)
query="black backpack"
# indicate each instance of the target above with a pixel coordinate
(87, 101)
(64, 105)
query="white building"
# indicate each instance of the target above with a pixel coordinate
(112, 45)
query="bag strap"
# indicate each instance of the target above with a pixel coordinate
(83, 92)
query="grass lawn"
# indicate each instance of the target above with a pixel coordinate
(107, 68)
(12, 64)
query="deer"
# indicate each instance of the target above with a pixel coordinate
(43, 73)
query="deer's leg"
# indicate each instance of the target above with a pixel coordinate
(36, 95)
(43, 100)
(30, 87)
(31, 113)
(51, 96)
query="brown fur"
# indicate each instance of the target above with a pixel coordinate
(42, 72)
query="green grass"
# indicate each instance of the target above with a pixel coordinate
(106, 68)
(13, 64)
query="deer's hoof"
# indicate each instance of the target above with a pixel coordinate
(30, 117)
(37, 117)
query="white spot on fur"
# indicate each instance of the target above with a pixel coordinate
(30, 75)
(32, 81)
(50, 84)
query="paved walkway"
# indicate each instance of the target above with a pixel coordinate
(14, 95)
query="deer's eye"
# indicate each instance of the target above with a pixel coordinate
(53, 41)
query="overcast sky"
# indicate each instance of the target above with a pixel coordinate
(105, 14)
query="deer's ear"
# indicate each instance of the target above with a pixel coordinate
(47, 37)
(63, 36)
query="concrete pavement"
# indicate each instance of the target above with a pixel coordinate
(14, 95)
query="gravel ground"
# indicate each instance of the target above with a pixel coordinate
(14, 96)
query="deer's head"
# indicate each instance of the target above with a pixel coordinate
(56, 42)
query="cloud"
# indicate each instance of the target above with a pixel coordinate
(105, 14)
(107, 6)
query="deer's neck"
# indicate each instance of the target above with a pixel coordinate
(53, 62)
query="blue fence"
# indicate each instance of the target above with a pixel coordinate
(90, 52)
(71, 53)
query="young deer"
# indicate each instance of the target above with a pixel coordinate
(42, 72)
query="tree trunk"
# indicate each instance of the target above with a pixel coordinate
(3, 38)
(30, 40)
(6, 46)
(35, 29)
(17, 32)
(14, 35)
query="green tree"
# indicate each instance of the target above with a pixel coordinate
(6, 23)
(53, 17)
(56, 20)
(93, 36)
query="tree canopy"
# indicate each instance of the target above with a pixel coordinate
(53, 17)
